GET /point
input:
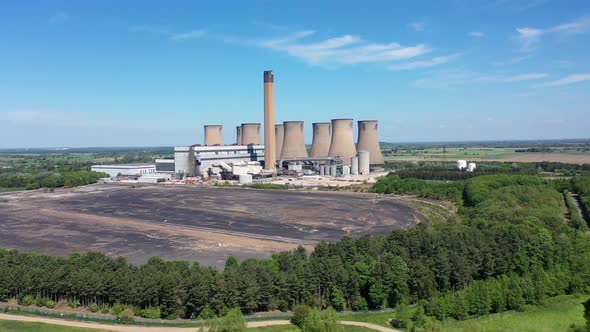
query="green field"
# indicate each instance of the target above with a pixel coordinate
(453, 153)
(557, 315)
(14, 326)
(291, 328)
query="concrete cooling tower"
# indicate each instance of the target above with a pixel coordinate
(250, 133)
(239, 135)
(213, 135)
(294, 141)
(369, 141)
(279, 135)
(320, 146)
(342, 143)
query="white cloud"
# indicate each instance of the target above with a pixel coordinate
(512, 61)
(529, 37)
(477, 34)
(417, 26)
(522, 77)
(194, 34)
(346, 49)
(570, 79)
(460, 78)
(425, 63)
(58, 17)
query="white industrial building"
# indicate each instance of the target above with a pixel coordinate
(125, 169)
(199, 160)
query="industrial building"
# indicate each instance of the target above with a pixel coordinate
(333, 151)
(126, 169)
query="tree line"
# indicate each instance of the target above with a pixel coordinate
(49, 179)
(511, 246)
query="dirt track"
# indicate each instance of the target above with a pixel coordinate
(189, 222)
(128, 328)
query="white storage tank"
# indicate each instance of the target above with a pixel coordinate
(245, 178)
(354, 166)
(471, 167)
(322, 170)
(364, 162)
(461, 164)
(333, 170)
(345, 170)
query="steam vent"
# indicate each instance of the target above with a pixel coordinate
(213, 135)
(320, 146)
(369, 141)
(279, 135)
(250, 133)
(293, 142)
(342, 143)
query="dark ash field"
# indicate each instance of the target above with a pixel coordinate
(187, 222)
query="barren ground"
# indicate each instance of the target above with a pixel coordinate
(189, 222)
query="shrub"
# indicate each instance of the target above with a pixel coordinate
(93, 307)
(73, 304)
(26, 300)
(117, 309)
(233, 321)
(105, 309)
(50, 304)
(126, 316)
(153, 313)
(300, 313)
(360, 304)
(40, 301)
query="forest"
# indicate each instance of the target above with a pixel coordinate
(49, 179)
(511, 245)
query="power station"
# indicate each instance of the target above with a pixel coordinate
(333, 150)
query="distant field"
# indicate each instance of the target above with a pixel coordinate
(291, 328)
(492, 154)
(557, 315)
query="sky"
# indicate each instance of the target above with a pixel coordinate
(152, 73)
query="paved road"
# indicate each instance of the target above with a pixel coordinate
(131, 328)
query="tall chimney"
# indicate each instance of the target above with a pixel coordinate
(270, 159)
(279, 135)
(294, 142)
(250, 133)
(239, 135)
(342, 143)
(369, 141)
(213, 135)
(320, 147)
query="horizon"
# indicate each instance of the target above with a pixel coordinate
(113, 74)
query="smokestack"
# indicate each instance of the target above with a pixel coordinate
(250, 133)
(320, 147)
(294, 142)
(369, 141)
(239, 135)
(279, 135)
(213, 135)
(270, 159)
(342, 143)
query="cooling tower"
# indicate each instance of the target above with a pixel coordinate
(250, 133)
(279, 135)
(213, 135)
(270, 159)
(293, 142)
(342, 143)
(239, 135)
(369, 141)
(320, 146)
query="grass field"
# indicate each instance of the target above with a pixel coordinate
(14, 326)
(557, 315)
(488, 153)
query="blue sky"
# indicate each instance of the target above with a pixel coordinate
(134, 73)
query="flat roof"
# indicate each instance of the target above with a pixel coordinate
(125, 166)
